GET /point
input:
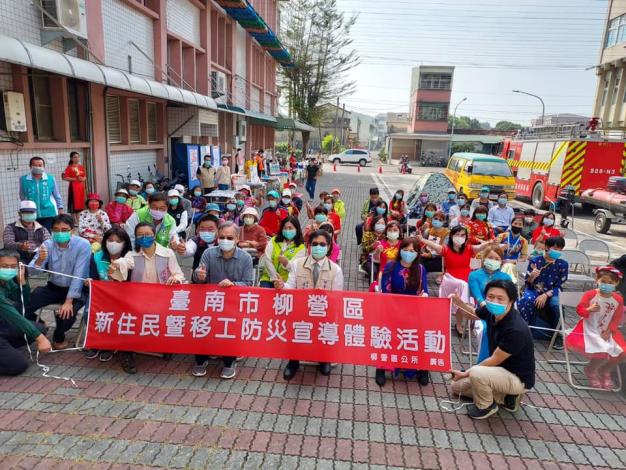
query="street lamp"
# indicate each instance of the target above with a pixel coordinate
(543, 105)
(453, 123)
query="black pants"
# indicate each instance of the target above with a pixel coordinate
(12, 360)
(227, 360)
(53, 294)
(359, 233)
(46, 222)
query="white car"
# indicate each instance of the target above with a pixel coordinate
(360, 156)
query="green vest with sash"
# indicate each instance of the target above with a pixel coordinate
(290, 253)
(167, 224)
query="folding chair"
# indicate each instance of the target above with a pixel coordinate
(572, 299)
(570, 235)
(579, 266)
(598, 247)
(411, 224)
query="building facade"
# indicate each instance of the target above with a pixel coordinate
(610, 102)
(431, 89)
(129, 79)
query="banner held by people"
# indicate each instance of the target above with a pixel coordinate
(347, 327)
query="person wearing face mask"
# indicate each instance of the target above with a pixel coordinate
(232, 213)
(272, 215)
(339, 204)
(335, 250)
(333, 217)
(282, 250)
(397, 207)
(41, 188)
(366, 211)
(463, 218)
(214, 209)
(222, 175)
(417, 211)
(315, 271)
(501, 215)
(597, 335)
(176, 210)
(479, 228)
(117, 209)
(286, 203)
(206, 175)
(516, 246)
(320, 216)
(205, 237)
(539, 248)
(76, 176)
(405, 276)
(539, 304)
(454, 212)
(309, 207)
(155, 213)
(482, 200)
(225, 265)
(434, 231)
(387, 248)
(374, 231)
(312, 172)
(456, 256)
(93, 221)
(546, 228)
(13, 326)
(509, 371)
(198, 203)
(529, 224)
(135, 200)
(252, 236)
(148, 189)
(184, 201)
(67, 254)
(450, 202)
(26, 234)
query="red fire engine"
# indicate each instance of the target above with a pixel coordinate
(543, 167)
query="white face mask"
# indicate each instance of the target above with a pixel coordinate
(393, 236)
(115, 248)
(379, 228)
(226, 245)
(458, 241)
(528, 220)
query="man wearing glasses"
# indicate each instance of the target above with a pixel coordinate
(225, 265)
(315, 271)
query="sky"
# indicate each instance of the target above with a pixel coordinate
(542, 47)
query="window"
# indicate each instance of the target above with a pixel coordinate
(452, 164)
(134, 122)
(615, 89)
(432, 111)
(616, 32)
(491, 168)
(435, 81)
(77, 109)
(42, 106)
(152, 123)
(607, 79)
(114, 130)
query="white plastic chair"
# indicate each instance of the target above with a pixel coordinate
(570, 235)
(572, 299)
(591, 245)
(579, 266)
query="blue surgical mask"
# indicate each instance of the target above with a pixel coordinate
(207, 237)
(173, 201)
(28, 216)
(240, 203)
(429, 214)
(289, 234)
(197, 193)
(603, 286)
(554, 254)
(120, 199)
(437, 223)
(408, 256)
(484, 195)
(328, 207)
(481, 216)
(318, 252)
(381, 210)
(503, 201)
(496, 309)
(397, 197)
(452, 197)
(465, 212)
(320, 218)
(148, 191)
(548, 222)
(61, 237)
(231, 207)
(461, 202)
(133, 192)
(273, 204)
(146, 241)
(6, 274)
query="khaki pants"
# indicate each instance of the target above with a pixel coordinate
(488, 384)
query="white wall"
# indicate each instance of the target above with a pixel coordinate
(239, 84)
(123, 24)
(183, 19)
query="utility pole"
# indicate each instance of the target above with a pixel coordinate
(343, 111)
(543, 105)
(332, 146)
(453, 123)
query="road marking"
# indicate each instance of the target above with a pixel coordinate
(379, 181)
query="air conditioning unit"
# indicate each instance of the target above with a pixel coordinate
(68, 15)
(218, 84)
(243, 131)
(14, 111)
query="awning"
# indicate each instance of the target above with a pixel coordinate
(285, 123)
(19, 52)
(260, 116)
(232, 109)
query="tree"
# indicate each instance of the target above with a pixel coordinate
(507, 126)
(464, 122)
(463, 147)
(317, 36)
(327, 143)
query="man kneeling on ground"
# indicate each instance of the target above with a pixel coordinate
(509, 371)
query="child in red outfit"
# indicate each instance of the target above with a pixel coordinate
(597, 335)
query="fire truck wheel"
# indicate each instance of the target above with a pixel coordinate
(602, 223)
(538, 197)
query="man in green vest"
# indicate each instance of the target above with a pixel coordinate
(41, 188)
(155, 213)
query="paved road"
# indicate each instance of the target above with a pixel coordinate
(165, 418)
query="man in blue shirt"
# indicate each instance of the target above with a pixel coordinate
(450, 202)
(66, 254)
(501, 215)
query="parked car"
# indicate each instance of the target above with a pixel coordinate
(360, 156)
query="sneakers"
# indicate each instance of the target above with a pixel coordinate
(380, 377)
(229, 372)
(476, 413)
(512, 403)
(105, 356)
(90, 353)
(199, 370)
(558, 342)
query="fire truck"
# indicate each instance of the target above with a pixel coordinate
(543, 167)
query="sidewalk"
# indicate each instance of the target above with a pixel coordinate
(165, 418)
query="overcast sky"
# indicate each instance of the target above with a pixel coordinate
(538, 46)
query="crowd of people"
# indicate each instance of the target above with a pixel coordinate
(470, 248)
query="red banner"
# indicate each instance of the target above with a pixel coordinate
(375, 329)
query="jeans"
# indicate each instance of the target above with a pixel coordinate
(223, 187)
(53, 294)
(13, 361)
(310, 188)
(46, 222)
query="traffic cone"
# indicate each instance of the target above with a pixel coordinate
(358, 168)
(380, 169)
(334, 167)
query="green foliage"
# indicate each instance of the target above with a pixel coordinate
(382, 154)
(463, 147)
(508, 126)
(464, 122)
(282, 147)
(327, 144)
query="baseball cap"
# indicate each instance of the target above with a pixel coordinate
(250, 211)
(173, 193)
(28, 206)
(135, 183)
(180, 188)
